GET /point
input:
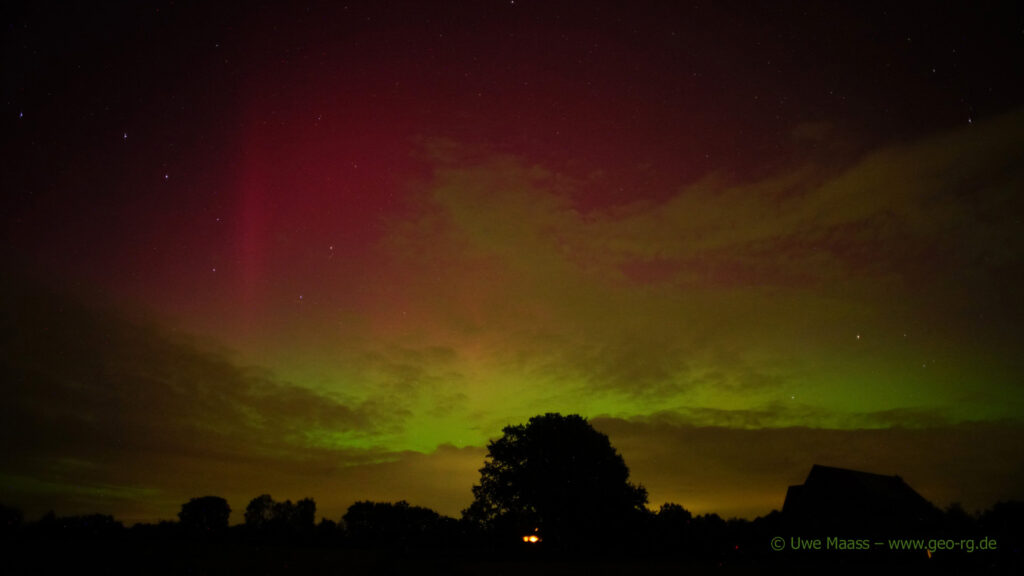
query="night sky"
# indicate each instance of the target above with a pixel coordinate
(329, 250)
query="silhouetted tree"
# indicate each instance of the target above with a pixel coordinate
(295, 517)
(559, 475)
(674, 516)
(1005, 522)
(327, 532)
(398, 524)
(205, 515)
(958, 521)
(260, 512)
(304, 515)
(1006, 517)
(671, 528)
(709, 536)
(762, 530)
(266, 516)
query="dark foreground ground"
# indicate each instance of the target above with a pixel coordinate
(218, 558)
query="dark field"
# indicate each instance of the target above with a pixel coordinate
(202, 558)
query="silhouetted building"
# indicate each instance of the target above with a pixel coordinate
(836, 501)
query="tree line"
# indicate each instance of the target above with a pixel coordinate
(553, 484)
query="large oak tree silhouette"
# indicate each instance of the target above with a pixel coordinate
(559, 476)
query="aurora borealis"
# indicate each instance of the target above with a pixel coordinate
(329, 250)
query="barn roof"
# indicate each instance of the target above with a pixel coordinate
(839, 496)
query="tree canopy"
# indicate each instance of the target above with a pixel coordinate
(205, 514)
(559, 475)
(398, 524)
(264, 514)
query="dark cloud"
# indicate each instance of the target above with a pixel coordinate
(105, 414)
(726, 286)
(101, 409)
